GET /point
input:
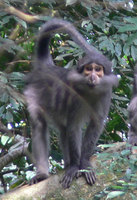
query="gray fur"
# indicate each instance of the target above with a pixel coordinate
(66, 99)
(132, 109)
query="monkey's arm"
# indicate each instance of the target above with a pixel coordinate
(103, 84)
(108, 81)
(75, 77)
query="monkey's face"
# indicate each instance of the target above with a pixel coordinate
(94, 68)
(94, 72)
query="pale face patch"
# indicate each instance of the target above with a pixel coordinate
(93, 68)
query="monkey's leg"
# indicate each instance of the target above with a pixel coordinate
(40, 148)
(74, 144)
(132, 135)
(65, 148)
(90, 139)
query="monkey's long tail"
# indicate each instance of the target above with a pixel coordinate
(57, 25)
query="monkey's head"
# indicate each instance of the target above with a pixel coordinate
(98, 60)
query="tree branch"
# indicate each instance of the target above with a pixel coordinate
(26, 17)
(14, 153)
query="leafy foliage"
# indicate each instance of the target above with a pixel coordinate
(124, 166)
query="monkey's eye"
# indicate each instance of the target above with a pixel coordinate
(89, 68)
(98, 69)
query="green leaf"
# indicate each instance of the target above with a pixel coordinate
(16, 75)
(61, 57)
(120, 98)
(104, 156)
(132, 184)
(118, 49)
(85, 22)
(16, 79)
(30, 174)
(134, 52)
(99, 23)
(4, 139)
(122, 62)
(2, 109)
(125, 152)
(16, 182)
(126, 49)
(128, 27)
(9, 116)
(5, 97)
(102, 38)
(89, 27)
(135, 41)
(123, 37)
(70, 2)
(132, 20)
(23, 23)
(3, 77)
(73, 44)
(6, 19)
(10, 45)
(14, 103)
(131, 39)
(69, 64)
(106, 145)
(107, 44)
(45, 18)
(114, 194)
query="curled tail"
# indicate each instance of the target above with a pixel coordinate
(57, 25)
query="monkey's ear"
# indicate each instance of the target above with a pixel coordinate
(81, 63)
(80, 68)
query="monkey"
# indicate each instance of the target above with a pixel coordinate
(132, 110)
(68, 99)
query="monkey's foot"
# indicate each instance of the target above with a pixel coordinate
(69, 176)
(133, 140)
(88, 173)
(38, 178)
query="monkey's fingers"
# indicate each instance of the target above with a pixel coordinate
(79, 174)
(66, 181)
(38, 178)
(69, 176)
(90, 177)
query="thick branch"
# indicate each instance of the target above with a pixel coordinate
(26, 17)
(13, 154)
(52, 189)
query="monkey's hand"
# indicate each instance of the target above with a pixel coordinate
(70, 173)
(108, 81)
(38, 178)
(87, 171)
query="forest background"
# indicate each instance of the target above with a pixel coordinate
(110, 26)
